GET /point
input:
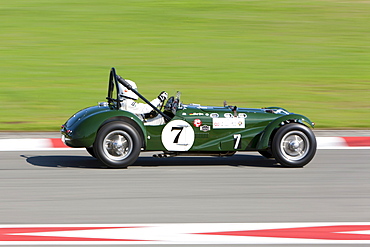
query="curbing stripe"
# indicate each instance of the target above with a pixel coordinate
(58, 143)
(187, 234)
(363, 141)
(330, 142)
(24, 144)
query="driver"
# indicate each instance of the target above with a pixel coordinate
(141, 110)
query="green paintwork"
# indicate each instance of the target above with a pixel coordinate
(85, 124)
(223, 139)
(81, 129)
(155, 142)
(263, 142)
(260, 124)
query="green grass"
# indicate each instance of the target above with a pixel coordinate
(310, 57)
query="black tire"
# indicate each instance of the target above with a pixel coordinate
(91, 151)
(294, 145)
(266, 153)
(117, 144)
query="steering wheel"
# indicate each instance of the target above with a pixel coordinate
(169, 103)
(172, 104)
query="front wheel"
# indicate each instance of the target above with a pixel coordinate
(294, 145)
(117, 145)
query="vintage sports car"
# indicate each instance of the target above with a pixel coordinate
(116, 137)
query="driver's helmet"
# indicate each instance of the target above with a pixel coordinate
(126, 93)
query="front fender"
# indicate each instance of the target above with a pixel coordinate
(264, 139)
(83, 133)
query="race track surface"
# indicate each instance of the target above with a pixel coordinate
(70, 187)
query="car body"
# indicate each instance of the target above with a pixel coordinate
(116, 137)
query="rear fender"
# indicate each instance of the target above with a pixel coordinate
(88, 128)
(269, 131)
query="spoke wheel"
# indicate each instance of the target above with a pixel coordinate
(294, 145)
(117, 145)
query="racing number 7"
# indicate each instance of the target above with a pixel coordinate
(178, 135)
(237, 143)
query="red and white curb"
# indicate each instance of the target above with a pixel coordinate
(188, 233)
(354, 142)
(361, 142)
(32, 144)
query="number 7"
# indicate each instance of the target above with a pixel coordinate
(178, 135)
(237, 139)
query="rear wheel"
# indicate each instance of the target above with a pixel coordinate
(294, 145)
(117, 144)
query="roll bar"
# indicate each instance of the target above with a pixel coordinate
(119, 79)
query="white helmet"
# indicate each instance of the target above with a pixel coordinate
(126, 93)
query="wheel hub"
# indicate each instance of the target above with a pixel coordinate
(294, 145)
(117, 145)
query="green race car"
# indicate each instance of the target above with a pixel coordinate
(116, 137)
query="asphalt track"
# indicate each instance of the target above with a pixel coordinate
(70, 187)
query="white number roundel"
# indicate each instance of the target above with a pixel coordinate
(178, 135)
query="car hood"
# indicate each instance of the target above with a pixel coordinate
(212, 109)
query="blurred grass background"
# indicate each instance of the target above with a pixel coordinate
(310, 57)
